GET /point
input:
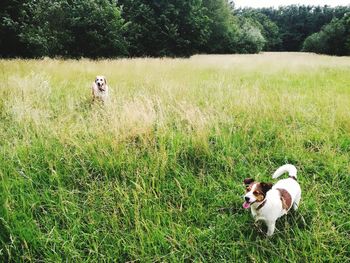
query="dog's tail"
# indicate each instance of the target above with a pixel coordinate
(286, 168)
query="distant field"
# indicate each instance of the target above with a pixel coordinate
(156, 174)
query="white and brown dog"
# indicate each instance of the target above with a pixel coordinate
(269, 202)
(100, 89)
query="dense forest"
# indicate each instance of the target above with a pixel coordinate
(303, 28)
(132, 28)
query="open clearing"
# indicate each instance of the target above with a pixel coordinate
(156, 174)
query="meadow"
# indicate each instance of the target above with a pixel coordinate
(155, 174)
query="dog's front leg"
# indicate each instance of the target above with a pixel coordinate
(270, 227)
(258, 218)
(254, 214)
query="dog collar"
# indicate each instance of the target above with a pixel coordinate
(261, 205)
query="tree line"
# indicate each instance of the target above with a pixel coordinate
(317, 29)
(133, 28)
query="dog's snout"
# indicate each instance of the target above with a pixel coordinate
(247, 198)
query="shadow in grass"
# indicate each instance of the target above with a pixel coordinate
(247, 227)
(4, 233)
(5, 237)
(293, 220)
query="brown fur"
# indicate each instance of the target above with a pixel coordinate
(248, 181)
(260, 190)
(286, 199)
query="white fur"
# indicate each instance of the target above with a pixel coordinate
(250, 194)
(272, 209)
(100, 89)
(285, 168)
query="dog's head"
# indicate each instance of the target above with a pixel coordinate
(101, 83)
(255, 192)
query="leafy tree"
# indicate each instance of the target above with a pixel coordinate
(333, 39)
(250, 39)
(141, 27)
(96, 29)
(314, 43)
(10, 44)
(296, 23)
(229, 33)
(42, 28)
(71, 28)
(223, 26)
(112, 28)
(165, 28)
(267, 27)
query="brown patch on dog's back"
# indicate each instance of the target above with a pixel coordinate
(286, 199)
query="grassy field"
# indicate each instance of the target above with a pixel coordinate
(155, 175)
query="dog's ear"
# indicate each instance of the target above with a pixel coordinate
(248, 181)
(104, 78)
(266, 187)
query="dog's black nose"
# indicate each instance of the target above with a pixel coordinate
(246, 199)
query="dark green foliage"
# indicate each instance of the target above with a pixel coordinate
(41, 27)
(62, 28)
(165, 28)
(223, 27)
(10, 44)
(99, 32)
(333, 39)
(105, 28)
(110, 28)
(250, 39)
(269, 30)
(296, 23)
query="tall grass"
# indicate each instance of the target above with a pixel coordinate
(156, 173)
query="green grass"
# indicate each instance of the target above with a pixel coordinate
(156, 174)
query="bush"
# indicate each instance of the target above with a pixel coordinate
(250, 39)
(333, 39)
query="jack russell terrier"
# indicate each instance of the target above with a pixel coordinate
(269, 202)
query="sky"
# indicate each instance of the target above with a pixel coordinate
(276, 3)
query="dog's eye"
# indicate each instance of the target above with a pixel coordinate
(255, 193)
(247, 189)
